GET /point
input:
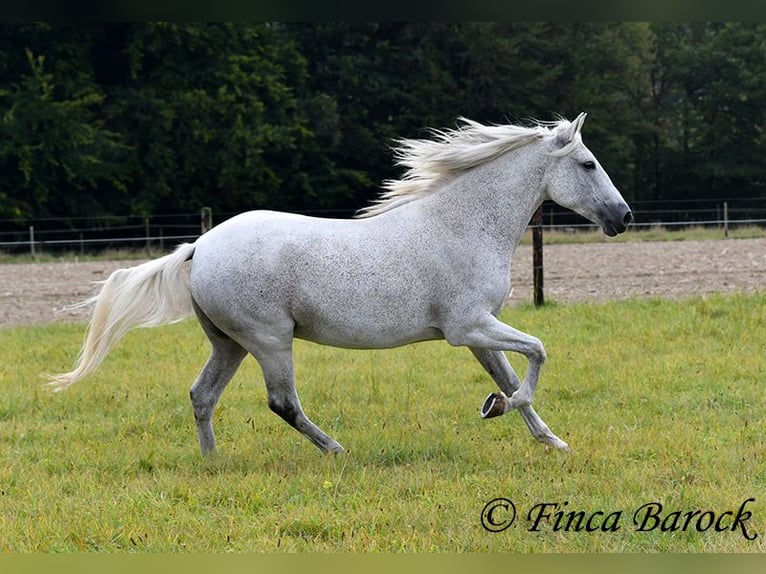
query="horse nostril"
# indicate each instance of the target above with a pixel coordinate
(628, 218)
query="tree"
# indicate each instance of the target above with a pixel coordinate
(211, 113)
(713, 93)
(381, 81)
(147, 118)
(56, 155)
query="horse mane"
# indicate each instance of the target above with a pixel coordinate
(431, 162)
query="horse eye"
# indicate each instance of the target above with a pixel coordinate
(589, 165)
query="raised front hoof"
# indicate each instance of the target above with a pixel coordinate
(495, 405)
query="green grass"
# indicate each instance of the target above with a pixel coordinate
(660, 401)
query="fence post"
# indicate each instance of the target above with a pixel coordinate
(725, 219)
(32, 241)
(206, 220)
(146, 235)
(537, 256)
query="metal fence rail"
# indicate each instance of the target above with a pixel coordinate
(88, 235)
(162, 232)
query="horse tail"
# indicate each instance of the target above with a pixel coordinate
(148, 295)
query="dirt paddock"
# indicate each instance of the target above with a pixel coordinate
(37, 293)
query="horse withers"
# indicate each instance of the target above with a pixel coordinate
(431, 259)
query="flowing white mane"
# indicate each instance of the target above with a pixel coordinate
(430, 162)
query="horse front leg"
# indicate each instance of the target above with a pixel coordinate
(500, 369)
(489, 338)
(487, 332)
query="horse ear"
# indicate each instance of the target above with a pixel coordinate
(579, 121)
(568, 135)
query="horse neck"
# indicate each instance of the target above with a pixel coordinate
(494, 200)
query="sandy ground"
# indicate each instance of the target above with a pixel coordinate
(673, 269)
(38, 293)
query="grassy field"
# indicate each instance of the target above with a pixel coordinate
(660, 402)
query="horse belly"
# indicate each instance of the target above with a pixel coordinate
(349, 337)
(346, 321)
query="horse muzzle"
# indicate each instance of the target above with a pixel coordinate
(615, 220)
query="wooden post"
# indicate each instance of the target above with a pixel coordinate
(148, 245)
(32, 241)
(725, 219)
(537, 256)
(206, 220)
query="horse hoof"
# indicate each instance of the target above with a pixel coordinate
(555, 442)
(495, 404)
(562, 446)
(335, 449)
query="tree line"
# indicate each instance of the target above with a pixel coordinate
(144, 118)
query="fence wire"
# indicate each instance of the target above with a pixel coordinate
(161, 232)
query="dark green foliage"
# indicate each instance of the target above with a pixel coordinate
(141, 118)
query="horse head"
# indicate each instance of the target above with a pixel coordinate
(577, 181)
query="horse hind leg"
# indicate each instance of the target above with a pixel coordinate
(273, 351)
(225, 358)
(283, 399)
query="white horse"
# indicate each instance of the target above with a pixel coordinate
(430, 260)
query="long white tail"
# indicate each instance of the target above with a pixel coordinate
(148, 295)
